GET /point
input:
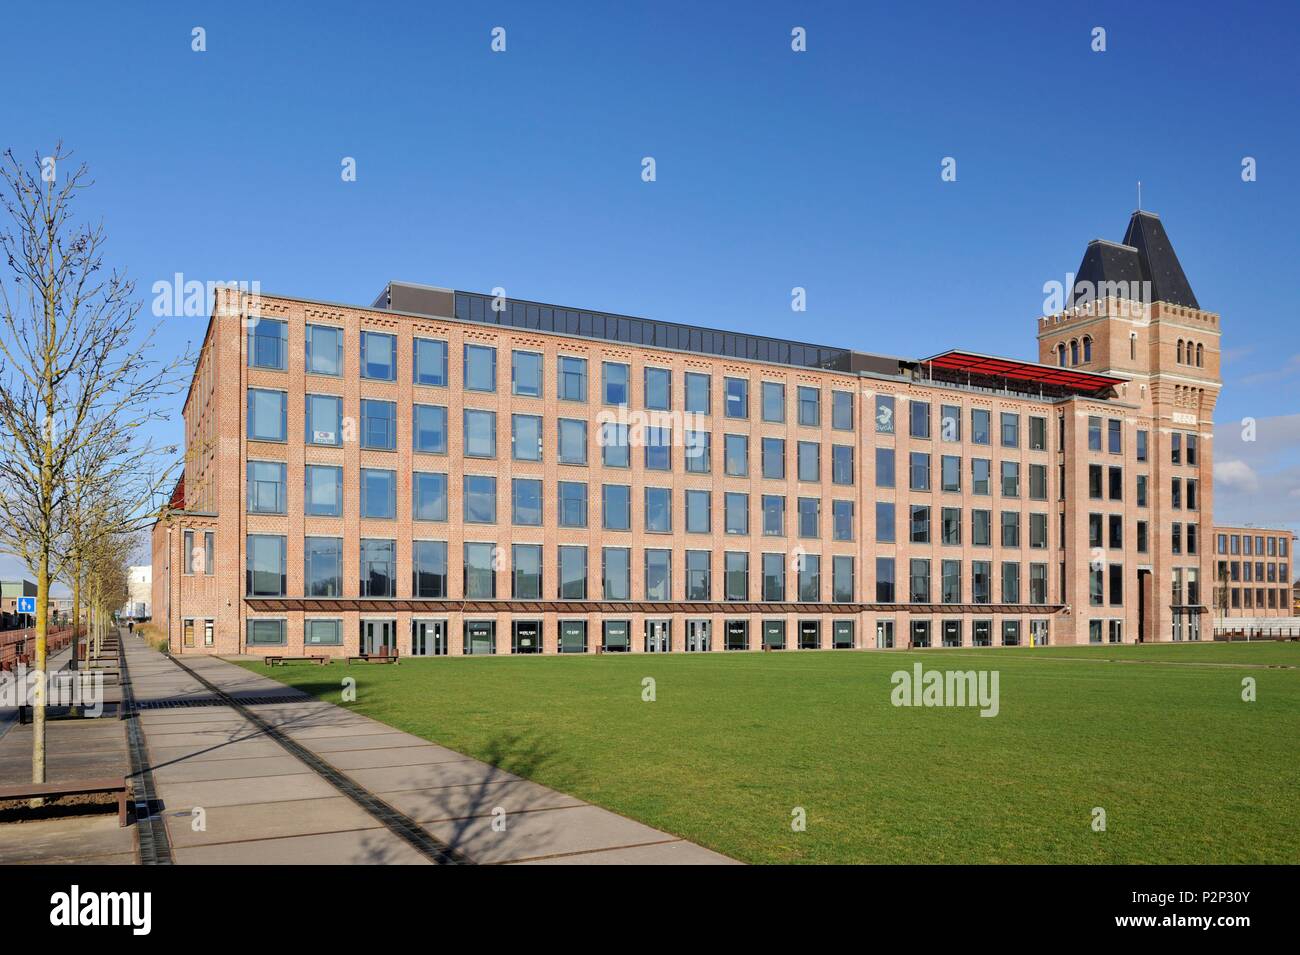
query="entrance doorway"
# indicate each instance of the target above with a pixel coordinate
(378, 638)
(428, 638)
(526, 636)
(1144, 605)
(697, 636)
(658, 636)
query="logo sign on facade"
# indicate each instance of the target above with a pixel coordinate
(323, 437)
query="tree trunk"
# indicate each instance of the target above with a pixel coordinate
(76, 610)
(42, 655)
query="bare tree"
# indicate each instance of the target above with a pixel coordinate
(77, 383)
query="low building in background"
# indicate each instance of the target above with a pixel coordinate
(139, 592)
(1252, 572)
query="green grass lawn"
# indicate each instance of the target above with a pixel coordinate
(1185, 770)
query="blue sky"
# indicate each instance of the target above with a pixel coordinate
(775, 169)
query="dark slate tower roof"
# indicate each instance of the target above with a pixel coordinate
(1145, 255)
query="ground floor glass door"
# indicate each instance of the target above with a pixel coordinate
(428, 638)
(378, 638)
(697, 636)
(658, 636)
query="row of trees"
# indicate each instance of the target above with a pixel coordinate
(80, 474)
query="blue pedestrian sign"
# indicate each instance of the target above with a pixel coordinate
(27, 605)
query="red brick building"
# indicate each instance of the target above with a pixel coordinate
(1252, 572)
(445, 472)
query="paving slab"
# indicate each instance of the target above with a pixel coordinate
(350, 759)
(244, 790)
(194, 771)
(270, 820)
(680, 852)
(75, 839)
(464, 802)
(363, 847)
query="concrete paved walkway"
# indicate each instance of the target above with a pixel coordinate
(233, 794)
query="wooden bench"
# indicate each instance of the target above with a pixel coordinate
(72, 787)
(320, 659)
(373, 658)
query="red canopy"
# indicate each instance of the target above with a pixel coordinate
(1084, 382)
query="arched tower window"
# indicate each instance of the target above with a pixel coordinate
(1200, 355)
(1132, 346)
(1060, 354)
(1180, 351)
(1087, 348)
(1074, 351)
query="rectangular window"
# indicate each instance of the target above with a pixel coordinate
(378, 424)
(842, 464)
(919, 415)
(526, 437)
(526, 571)
(378, 493)
(480, 433)
(697, 451)
(1010, 430)
(698, 586)
(1094, 433)
(322, 490)
(919, 581)
(842, 579)
(885, 588)
(885, 522)
(1038, 583)
(324, 350)
(480, 499)
(809, 461)
(949, 423)
(526, 502)
(1037, 433)
(429, 424)
(699, 512)
(573, 573)
(919, 532)
(571, 378)
(265, 571)
(842, 520)
(429, 570)
(736, 516)
(430, 363)
(773, 569)
(658, 574)
(951, 525)
(268, 347)
(809, 518)
(378, 356)
(615, 450)
(810, 406)
(981, 581)
(1010, 529)
(1010, 478)
(1114, 436)
(324, 424)
(1038, 530)
(736, 575)
(1142, 445)
(981, 528)
(266, 487)
(919, 471)
(322, 566)
(616, 573)
(572, 441)
(950, 472)
(526, 374)
(884, 414)
(480, 368)
(480, 571)
(614, 382)
(735, 455)
(698, 388)
(735, 397)
(430, 496)
(616, 507)
(658, 510)
(1116, 480)
(842, 410)
(981, 476)
(884, 467)
(572, 504)
(266, 633)
(658, 389)
(773, 515)
(950, 587)
(1038, 482)
(268, 413)
(979, 426)
(322, 633)
(1010, 583)
(810, 579)
(658, 449)
(773, 458)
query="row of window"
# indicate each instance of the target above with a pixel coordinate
(268, 348)
(1258, 598)
(1252, 544)
(1074, 350)
(781, 577)
(1256, 572)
